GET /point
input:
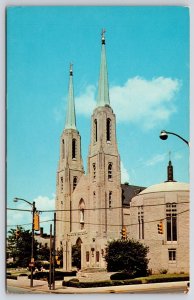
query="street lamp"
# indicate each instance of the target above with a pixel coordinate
(164, 136)
(32, 249)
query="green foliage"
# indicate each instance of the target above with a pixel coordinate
(76, 256)
(121, 276)
(73, 283)
(20, 247)
(163, 271)
(167, 278)
(43, 253)
(164, 278)
(128, 256)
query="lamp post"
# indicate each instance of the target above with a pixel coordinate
(164, 136)
(32, 247)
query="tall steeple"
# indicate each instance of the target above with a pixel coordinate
(70, 115)
(103, 90)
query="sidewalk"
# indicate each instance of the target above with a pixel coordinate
(42, 287)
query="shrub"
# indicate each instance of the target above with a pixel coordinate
(73, 283)
(128, 256)
(167, 279)
(122, 276)
(12, 277)
(39, 275)
(23, 274)
(163, 271)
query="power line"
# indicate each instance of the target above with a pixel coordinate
(95, 208)
(101, 224)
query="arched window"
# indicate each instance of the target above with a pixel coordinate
(171, 221)
(108, 130)
(63, 148)
(110, 171)
(95, 131)
(81, 211)
(74, 182)
(73, 148)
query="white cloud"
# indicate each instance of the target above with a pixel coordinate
(145, 102)
(124, 174)
(155, 159)
(85, 103)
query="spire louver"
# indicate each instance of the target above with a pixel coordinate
(70, 115)
(103, 90)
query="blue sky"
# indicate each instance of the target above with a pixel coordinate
(147, 52)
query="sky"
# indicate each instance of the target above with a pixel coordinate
(147, 50)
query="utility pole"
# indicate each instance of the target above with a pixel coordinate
(50, 269)
(54, 240)
(32, 250)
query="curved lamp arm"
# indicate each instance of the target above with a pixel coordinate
(164, 136)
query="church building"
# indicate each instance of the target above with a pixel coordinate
(93, 207)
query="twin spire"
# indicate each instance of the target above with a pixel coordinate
(70, 115)
(103, 89)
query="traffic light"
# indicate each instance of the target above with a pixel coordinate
(17, 233)
(36, 221)
(160, 228)
(124, 233)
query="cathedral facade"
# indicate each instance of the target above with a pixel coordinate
(93, 207)
(89, 205)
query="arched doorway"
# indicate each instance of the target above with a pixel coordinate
(76, 254)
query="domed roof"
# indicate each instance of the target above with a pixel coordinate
(166, 187)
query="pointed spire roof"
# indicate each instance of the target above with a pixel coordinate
(70, 114)
(103, 90)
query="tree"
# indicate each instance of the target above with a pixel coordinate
(19, 247)
(43, 253)
(128, 256)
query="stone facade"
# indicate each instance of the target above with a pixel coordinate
(167, 203)
(90, 207)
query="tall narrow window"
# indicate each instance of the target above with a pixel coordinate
(172, 255)
(73, 148)
(171, 221)
(94, 170)
(110, 199)
(87, 256)
(61, 184)
(95, 131)
(141, 222)
(63, 148)
(110, 171)
(81, 211)
(97, 256)
(74, 182)
(94, 199)
(108, 130)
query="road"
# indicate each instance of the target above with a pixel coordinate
(118, 290)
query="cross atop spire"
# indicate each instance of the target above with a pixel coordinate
(103, 89)
(70, 114)
(103, 36)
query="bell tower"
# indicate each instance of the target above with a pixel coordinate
(70, 167)
(104, 161)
